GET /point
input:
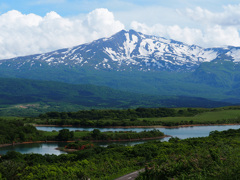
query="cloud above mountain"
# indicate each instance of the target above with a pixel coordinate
(25, 34)
(22, 34)
(211, 36)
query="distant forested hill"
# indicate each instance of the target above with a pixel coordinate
(19, 95)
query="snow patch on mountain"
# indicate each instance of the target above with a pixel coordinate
(112, 54)
(130, 44)
(235, 53)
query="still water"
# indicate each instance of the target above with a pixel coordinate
(39, 148)
(182, 133)
(50, 148)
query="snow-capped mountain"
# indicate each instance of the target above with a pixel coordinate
(134, 62)
(127, 50)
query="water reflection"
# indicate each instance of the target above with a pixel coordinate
(39, 148)
(50, 148)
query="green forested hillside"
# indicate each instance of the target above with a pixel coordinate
(213, 83)
(18, 96)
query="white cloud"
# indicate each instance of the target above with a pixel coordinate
(220, 36)
(102, 19)
(22, 34)
(230, 16)
(214, 36)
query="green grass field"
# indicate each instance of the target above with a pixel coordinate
(206, 117)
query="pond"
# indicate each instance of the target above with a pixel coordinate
(182, 133)
(50, 148)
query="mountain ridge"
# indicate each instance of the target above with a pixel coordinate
(128, 50)
(134, 62)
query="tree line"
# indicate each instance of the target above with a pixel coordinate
(122, 114)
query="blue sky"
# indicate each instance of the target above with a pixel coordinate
(74, 7)
(69, 8)
(28, 27)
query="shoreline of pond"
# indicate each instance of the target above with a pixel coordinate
(128, 127)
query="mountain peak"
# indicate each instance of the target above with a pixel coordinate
(131, 31)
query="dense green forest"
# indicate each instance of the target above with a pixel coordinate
(116, 114)
(213, 157)
(15, 131)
